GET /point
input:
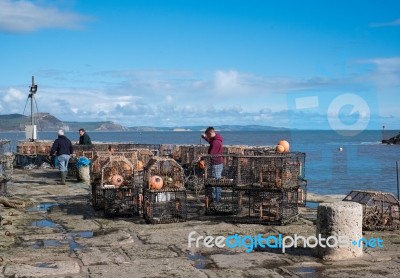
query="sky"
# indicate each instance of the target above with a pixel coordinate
(297, 64)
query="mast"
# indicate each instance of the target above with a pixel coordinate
(32, 90)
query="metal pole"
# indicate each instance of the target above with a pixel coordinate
(32, 95)
(398, 185)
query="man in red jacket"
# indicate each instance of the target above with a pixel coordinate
(215, 150)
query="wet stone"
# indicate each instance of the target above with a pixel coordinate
(101, 256)
(168, 267)
(42, 269)
(114, 239)
(244, 260)
(149, 251)
(125, 247)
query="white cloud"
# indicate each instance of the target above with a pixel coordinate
(387, 65)
(14, 95)
(386, 73)
(395, 22)
(27, 16)
(176, 98)
(227, 81)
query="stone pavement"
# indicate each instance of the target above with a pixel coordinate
(60, 235)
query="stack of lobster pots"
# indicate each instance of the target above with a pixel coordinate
(117, 181)
(6, 165)
(260, 184)
(266, 187)
(33, 153)
(164, 193)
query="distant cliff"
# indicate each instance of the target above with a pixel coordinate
(47, 122)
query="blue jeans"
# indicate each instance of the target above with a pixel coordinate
(63, 162)
(216, 174)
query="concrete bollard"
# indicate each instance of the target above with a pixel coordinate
(340, 222)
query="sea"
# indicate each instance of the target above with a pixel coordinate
(336, 162)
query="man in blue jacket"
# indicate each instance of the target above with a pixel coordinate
(63, 149)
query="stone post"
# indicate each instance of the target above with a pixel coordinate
(343, 221)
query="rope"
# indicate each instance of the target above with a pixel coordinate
(18, 204)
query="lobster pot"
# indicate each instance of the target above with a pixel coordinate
(27, 148)
(121, 201)
(301, 193)
(5, 146)
(143, 157)
(177, 153)
(6, 161)
(166, 150)
(381, 210)
(43, 147)
(33, 161)
(233, 149)
(138, 158)
(267, 206)
(123, 147)
(97, 191)
(33, 154)
(165, 206)
(173, 151)
(153, 148)
(187, 154)
(281, 171)
(84, 150)
(222, 200)
(117, 172)
(97, 196)
(230, 173)
(6, 166)
(100, 158)
(258, 150)
(167, 169)
(190, 153)
(100, 147)
(38, 147)
(72, 169)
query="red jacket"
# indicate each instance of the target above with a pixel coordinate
(215, 149)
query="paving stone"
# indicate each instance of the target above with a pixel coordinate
(127, 247)
(246, 260)
(113, 239)
(101, 256)
(168, 267)
(42, 269)
(149, 251)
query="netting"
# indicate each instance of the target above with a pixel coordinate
(381, 210)
(165, 206)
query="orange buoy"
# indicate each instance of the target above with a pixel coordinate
(127, 167)
(139, 165)
(285, 144)
(280, 149)
(156, 182)
(202, 164)
(117, 180)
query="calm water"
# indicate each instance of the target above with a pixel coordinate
(364, 162)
